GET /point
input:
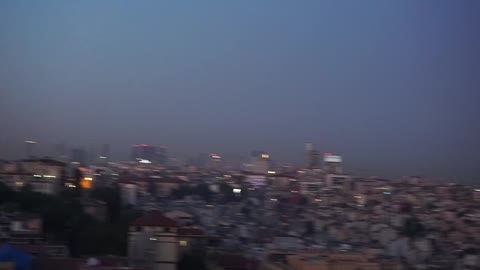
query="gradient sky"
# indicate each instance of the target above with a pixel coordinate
(393, 86)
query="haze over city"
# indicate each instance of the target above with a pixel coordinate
(393, 87)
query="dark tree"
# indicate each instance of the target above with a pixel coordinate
(182, 191)
(63, 178)
(10, 207)
(6, 193)
(303, 201)
(412, 228)
(227, 192)
(202, 190)
(191, 261)
(151, 188)
(111, 196)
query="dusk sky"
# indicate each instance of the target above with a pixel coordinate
(392, 86)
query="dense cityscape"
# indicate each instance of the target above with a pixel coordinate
(71, 212)
(239, 135)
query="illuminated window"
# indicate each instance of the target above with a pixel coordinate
(183, 243)
(86, 184)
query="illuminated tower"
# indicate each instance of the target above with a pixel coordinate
(332, 164)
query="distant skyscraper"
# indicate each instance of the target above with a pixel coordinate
(79, 155)
(260, 162)
(202, 160)
(313, 156)
(30, 148)
(58, 151)
(135, 152)
(148, 152)
(90, 156)
(215, 161)
(153, 154)
(332, 163)
(161, 155)
(105, 154)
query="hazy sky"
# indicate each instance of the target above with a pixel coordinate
(393, 86)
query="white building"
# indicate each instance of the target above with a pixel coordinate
(43, 175)
(156, 241)
(48, 168)
(128, 193)
(332, 163)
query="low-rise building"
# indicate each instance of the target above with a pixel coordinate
(156, 241)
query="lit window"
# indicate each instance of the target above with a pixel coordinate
(183, 243)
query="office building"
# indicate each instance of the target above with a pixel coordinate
(161, 155)
(260, 162)
(79, 156)
(30, 145)
(58, 152)
(105, 154)
(312, 156)
(153, 154)
(215, 161)
(332, 163)
(47, 175)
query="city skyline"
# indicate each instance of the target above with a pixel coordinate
(393, 87)
(303, 160)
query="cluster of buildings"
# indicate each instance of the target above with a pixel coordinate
(270, 216)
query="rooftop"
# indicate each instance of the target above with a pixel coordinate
(46, 161)
(154, 219)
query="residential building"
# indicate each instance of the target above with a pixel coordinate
(156, 241)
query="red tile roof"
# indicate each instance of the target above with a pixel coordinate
(154, 218)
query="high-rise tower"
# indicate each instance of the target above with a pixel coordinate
(312, 156)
